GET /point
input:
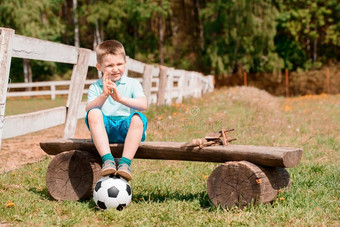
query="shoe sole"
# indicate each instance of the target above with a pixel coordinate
(108, 171)
(126, 175)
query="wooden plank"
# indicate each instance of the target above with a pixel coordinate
(155, 71)
(181, 87)
(82, 110)
(6, 40)
(147, 81)
(261, 155)
(37, 93)
(76, 92)
(46, 83)
(32, 48)
(134, 65)
(21, 124)
(93, 59)
(162, 85)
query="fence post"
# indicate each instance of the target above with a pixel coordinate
(161, 85)
(245, 79)
(180, 86)
(211, 83)
(76, 92)
(147, 81)
(53, 91)
(287, 82)
(6, 40)
(328, 81)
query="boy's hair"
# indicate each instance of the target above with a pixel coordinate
(109, 47)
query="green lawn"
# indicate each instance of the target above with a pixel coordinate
(173, 193)
(19, 106)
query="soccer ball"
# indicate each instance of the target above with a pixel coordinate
(112, 192)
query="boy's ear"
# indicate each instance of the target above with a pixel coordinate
(98, 67)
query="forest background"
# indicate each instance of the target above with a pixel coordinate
(223, 38)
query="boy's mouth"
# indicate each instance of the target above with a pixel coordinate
(114, 76)
(115, 73)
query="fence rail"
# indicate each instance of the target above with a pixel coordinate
(161, 85)
(52, 86)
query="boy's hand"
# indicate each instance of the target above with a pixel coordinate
(106, 90)
(114, 92)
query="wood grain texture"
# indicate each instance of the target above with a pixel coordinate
(76, 92)
(261, 155)
(6, 40)
(22, 124)
(147, 81)
(72, 175)
(162, 86)
(38, 49)
(241, 183)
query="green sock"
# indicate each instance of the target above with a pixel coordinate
(108, 156)
(125, 160)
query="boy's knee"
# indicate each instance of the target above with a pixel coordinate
(94, 116)
(136, 121)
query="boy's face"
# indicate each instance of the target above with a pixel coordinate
(113, 66)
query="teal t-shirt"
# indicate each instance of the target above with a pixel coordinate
(127, 87)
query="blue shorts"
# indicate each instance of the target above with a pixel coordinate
(117, 129)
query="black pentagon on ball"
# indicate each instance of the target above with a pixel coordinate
(113, 192)
(128, 189)
(98, 185)
(101, 205)
(121, 206)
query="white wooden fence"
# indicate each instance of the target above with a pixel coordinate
(162, 85)
(52, 88)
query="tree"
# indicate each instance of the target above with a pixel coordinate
(239, 35)
(307, 32)
(38, 19)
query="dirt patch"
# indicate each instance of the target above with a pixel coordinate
(21, 150)
(254, 97)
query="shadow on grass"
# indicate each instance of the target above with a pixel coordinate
(44, 194)
(202, 197)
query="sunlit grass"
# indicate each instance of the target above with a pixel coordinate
(173, 193)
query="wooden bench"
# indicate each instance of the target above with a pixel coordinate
(248, 173)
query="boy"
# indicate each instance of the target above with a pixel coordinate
(111, 107)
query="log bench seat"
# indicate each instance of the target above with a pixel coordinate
(248, 173)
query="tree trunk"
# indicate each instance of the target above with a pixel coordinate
(27, 73)
(161, 29)
(315, 44)
(199, 25)
(76, 24)
(241, 183)
(97, 40)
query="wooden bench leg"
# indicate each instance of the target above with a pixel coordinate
(240, 183)
(72, 175)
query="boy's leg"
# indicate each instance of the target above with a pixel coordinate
(131, 145)
(100, 139)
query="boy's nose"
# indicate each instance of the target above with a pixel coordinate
(115, 70)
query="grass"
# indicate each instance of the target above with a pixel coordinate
(173, 193)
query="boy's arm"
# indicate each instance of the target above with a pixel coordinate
(97, 102)
(139, 103)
